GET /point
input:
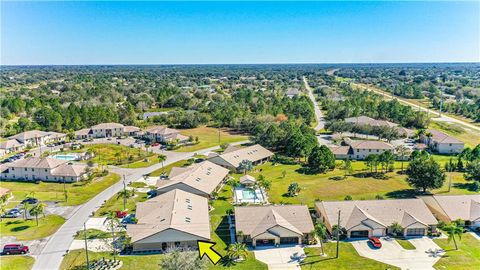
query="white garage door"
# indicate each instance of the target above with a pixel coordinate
(378, 232)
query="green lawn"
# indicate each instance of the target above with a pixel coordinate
(168, 168)
(16, 262)
(466, 257)
(116, 154)
(332, 186)
(146, 162)
(348, 259)
(28, 229)
(96, 234)
(208, 137)
(78, 193)
(405, 244)
(116, 203)
(76, 258)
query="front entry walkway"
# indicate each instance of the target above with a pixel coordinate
(424, 256)
(288, 257)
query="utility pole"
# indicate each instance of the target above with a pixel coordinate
(124, 194)
(338, 233)
(86, 248)
(64, 189)
(441, 105)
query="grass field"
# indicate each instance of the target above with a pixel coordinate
(116, 203)
(405, 244)
(208, 137)
(114, 154)
(168, 168)
(146, 162)
(78, 193)
(466, 257)
(28, 229)
(470, 137)
(332, 186)
(76, 258)
(348, 259)
(16, 262)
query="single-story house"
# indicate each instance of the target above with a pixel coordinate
(375, 217)
(176, 219)
(273, 224)
(164, 134)
(292, 92)
(231, 160)
(442, 143)
(449, 208)
(201, 178)
(45, 169)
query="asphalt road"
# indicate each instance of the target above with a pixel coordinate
(52, 254)
(318, 112)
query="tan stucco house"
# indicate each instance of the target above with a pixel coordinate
(232, 159)
(375, 217)
(453, 207)
(273, 224)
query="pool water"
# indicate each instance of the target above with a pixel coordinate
(249, 194)
(66, 157)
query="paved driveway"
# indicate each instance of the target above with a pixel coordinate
(426, 254)
(280, 258)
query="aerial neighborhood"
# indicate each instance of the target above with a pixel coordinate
(268, 169)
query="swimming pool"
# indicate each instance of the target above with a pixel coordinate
(68, 157)
(247, 195)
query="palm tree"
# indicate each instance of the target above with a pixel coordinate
(125, 194)
(237, 250)
(452, 229)
(113, 222)
(38, 209)
(402, 152)
(162, 158)
(240, 235)
(320, 231)
(245, 166)
(293, 189)
(396, 228)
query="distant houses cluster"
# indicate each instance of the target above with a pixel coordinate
(106, 130)
(30, 138)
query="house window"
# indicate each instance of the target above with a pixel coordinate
(369, 150)
(378, 150)
(46, 177)
(25, 169)
(33, 169)
(358, 150)
(45, 170)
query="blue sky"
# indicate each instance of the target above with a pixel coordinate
(238, 32)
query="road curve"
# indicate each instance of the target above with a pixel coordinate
(318, 112)
(52, 254)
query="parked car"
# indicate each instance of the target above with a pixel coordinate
(155, 144)
(375, 242)
(13, 213)
(120, 214)
(15, 249)
(30, 201)
(129, 219)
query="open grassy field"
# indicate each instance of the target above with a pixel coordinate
(78, 193)
(16, 262)
(146, 162)
(28, 229)
(208, 137)
(348, 259)
(466, 257)
(332, 186)
(115, 154)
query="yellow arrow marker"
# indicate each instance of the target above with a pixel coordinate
(206, 248)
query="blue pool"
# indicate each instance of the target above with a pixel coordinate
(68, 157)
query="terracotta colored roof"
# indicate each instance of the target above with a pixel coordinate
(161, 130)
(69, 170)
(255, 220)
(176, 209)
(466, 207)
(83, 132)
(339, 150)
(35, 162)
(131, 129)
